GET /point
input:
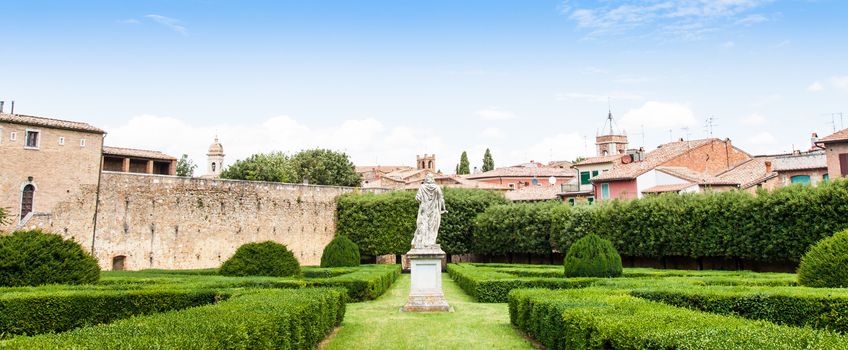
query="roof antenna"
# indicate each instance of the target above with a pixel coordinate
(13, 107)
(1, 106)
(609, 115)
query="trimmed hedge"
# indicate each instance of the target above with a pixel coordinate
(795, 306)
(523, 228)
(597, 318)
(31, 258)
(267, 319)
(341, 252)
(27, 313)
(261, 259)
(592, 256)
(489, 286)
(384, 223)
(826, 264)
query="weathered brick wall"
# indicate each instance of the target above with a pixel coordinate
(180, 223)
(711, 158)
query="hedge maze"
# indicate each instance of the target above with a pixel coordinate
(662, 309)
(189, 309)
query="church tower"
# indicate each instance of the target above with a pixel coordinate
(613, 142)
(426, 162)
(215, 159)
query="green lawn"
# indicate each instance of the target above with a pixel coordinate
(379, 324)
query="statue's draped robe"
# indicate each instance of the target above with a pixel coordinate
(432, 204)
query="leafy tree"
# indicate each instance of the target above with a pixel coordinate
(325, 167)
(578, 159)
(274, 167)
(463, 167)
(185, 166)
(488, 162)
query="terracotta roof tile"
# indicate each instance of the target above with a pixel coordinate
(803, 161)
(750, 172)
(522, 171)
(840, 135)
(655, 158)
(137, 153)
(668, 188)
(601, 159)
(694, 176)
(534, 193)
(48, 122)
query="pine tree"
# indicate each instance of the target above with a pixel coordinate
(488, 162)
(463, 165)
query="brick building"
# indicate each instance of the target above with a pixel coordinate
(836, 153)
(138, 161)
(43, 160)
(526, 175)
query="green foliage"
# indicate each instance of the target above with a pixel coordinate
(273, 167)
(826, 263)
(599, 318)
(266, 319)
(791, 306)
(31, 258)
(341, 252)
(516, 228)
(24, 313)
(261, 259)
(325, 167)
(3, 215)
(384, 223)
(488, 161)
(464, 166)
(185, 166)
(592, 256)
(490, 286)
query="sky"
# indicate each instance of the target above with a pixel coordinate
(385, 80)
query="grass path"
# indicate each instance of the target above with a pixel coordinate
(379, 324)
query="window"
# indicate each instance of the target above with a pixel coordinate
(32, 138)
(119, 263)
(843, 163)
(594, 173)
(584, 177)
(27, 198)
(800, 179)
(825, 177)
(591, 200)
(61, 141)
(82, 142)
(13, 136)
(571, 201)
(605, 191)
(512, 186)
(213, 167)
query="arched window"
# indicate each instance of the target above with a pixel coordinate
(118, 263)
(27, 198)
(213, 166)
(430, 165)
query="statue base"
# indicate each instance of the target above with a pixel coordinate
(426, 295)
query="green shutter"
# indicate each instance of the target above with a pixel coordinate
(584, 178)
(594, 173)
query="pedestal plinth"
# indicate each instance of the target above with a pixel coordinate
(426, 292)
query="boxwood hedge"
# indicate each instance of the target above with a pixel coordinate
(595, 318)
(256, 319)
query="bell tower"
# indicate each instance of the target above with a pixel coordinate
(613, 141)
(426, 162)
(215, 159)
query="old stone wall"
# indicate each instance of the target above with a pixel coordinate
(170, 222)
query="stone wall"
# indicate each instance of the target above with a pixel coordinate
(170, 222)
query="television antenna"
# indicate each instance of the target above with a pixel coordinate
(710, 125)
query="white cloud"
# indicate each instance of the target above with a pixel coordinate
(815, 87)
(493, 133)
(659, 115)
(840, 82)
(171, 23)
(494, 114)
(752, 19)
(557, 147)
(754, 119)
(599, 98)
(367, 141)
(783, 44)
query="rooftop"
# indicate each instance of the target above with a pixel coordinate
(750, 172)
(49, 123)
(801, 161)
(135, 153)
(600, 159)
(653, 159)
(525, 170)
(668, 188)
(694, 176)
(841, 135)
(534, 193)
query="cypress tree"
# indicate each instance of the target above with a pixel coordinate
(463, 165)
(488, 162)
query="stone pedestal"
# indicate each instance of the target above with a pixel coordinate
(426, 292)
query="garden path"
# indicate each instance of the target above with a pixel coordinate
(379, 324)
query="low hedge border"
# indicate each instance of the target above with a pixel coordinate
(598, 318)
(795, 306)
(59, 311)
(492, 286)
(263, 319)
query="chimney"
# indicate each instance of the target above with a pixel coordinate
(768, 166)
(13, 107)
(814, 138)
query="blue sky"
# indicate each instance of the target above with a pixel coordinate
(385, 80)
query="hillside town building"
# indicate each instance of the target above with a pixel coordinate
(526, 175)
(138, 161)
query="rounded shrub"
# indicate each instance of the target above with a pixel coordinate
(826, 263)
(32, 258)
(592, 256)
(341, 252)
(261, 259)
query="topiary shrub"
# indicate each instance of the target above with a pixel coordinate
(592, 256)
(826, 263)
(32, 258)
(341, 252)
(261, 259)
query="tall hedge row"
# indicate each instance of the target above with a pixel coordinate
(384, 223)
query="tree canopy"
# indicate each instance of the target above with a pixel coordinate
(316, 166)
(185, 166)
(488, 161)
(464, 166)
(274, 167)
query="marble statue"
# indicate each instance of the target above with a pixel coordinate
(430, 210)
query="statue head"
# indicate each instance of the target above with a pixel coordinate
(429, 179)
